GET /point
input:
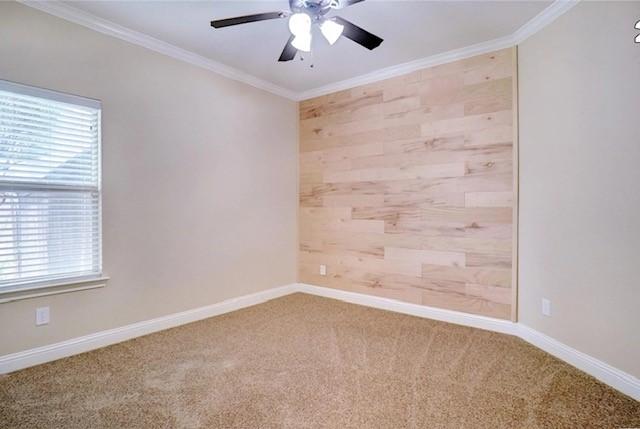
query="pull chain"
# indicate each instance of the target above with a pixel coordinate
(311, 60)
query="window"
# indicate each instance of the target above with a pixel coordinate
(50, 228)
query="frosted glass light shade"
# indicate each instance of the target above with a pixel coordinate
(331, 31)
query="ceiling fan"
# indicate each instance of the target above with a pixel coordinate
(303, 14)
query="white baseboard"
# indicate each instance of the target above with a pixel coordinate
(614, 377)
(459, 318)
(619, 380)
(74, 346)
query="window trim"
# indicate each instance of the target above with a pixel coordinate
(49, 94)
(63, 284)
(52, 287)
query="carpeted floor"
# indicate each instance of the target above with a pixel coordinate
(308, 362)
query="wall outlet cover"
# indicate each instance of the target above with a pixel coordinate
(546, 307)
(42, 316)
(323, 270)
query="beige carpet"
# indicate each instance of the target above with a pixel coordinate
(308, 362)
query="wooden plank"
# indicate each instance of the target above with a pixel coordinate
(466, 303)
(353, 200)
(453, 259)
(389, 173)
(481, 276)
(488, 199)
(469, 216)
(489, 259)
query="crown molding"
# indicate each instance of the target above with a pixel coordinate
(70, 13)
(405, 68)
(541, 20)
(535, 24)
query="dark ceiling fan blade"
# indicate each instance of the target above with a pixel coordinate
(220, 23)
(341, 4)
(289, 52)
(358, 35)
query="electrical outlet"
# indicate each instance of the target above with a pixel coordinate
(323, 270)
(546, 307)
(42, 316)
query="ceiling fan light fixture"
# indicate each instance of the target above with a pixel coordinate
(300, 24)
(302, 42)
(302, 15)
(331, 30)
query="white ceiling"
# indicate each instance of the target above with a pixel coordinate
(411, 30)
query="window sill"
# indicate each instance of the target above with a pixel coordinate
(52, 287)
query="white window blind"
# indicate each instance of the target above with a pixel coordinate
(49, 186)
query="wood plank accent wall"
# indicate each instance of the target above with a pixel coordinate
(407, 187)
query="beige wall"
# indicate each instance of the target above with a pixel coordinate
(407, 187)
(199, 178)
(580, 181)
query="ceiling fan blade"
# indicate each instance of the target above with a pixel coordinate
(289, 52)
(220, 23)
(341, 4)
(358, 35)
